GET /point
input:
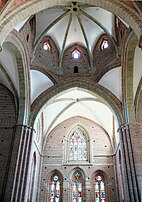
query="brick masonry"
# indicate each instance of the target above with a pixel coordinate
(55, 159)
(22, 176)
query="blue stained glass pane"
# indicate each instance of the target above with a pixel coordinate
(103, 195)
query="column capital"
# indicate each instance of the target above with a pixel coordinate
(123, 127)
(27, 127)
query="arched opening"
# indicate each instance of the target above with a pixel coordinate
(104, 44)
(55, 186)
(77, 186)
(81, 138)
(78, 98)
(99, 187)
(99, 191)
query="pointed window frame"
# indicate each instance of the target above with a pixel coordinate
(46, 46)
(67, 148)
(104, 44)
(77, 185)
(55, 187)
(76, 54)
(99, 193)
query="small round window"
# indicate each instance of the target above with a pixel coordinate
(55, 177)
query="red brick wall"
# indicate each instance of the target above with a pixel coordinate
(54, 152)
(7, 129)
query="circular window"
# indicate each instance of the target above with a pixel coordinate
(55, 177)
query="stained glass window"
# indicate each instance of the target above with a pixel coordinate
(77, 187)
(78, 146)
(99, 189)
(55, 189)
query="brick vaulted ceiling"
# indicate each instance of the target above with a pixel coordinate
(68, 24)
(76, 23)
(15, 3)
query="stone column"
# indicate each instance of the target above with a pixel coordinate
(20, 160)
(135, 152)
(14, 166)
(27, 162)
(124, 165)
(18, 164)
(131, 186)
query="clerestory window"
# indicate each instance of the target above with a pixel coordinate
(46, 46)
(104, 44)
(76, 54)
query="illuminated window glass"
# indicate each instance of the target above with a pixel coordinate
(78, 146)
(55, 189)
(46, 46)
(76, 54)
(77, 187)
(99, 187)
(104, 44)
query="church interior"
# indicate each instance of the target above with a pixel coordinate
(70, 101)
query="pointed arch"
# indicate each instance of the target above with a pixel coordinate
(110, 99)
(99, 189)
(54, 186)
(77, 148)
(108, 53)
(128, 80)
(23, 74)
(9, 20)
(77, 185)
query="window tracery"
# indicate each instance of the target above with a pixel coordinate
(78, 146)
(77, 187)
(99, 187)
(55, 195)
